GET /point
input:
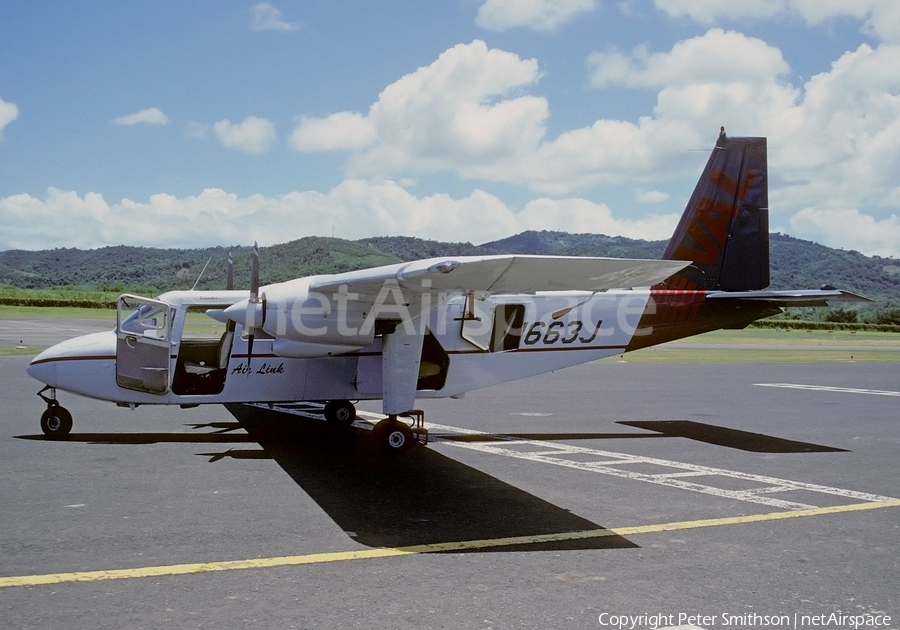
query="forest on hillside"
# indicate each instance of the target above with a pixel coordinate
(795, 263)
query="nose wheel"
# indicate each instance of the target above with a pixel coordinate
(56, 421)
(341, 413)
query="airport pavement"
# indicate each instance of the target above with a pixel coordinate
(44, 333)
(606, 490)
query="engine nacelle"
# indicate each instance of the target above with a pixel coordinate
(293, 312)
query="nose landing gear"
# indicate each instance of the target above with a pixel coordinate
(340, 413)
(56, 421)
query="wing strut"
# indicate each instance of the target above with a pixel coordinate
(401, 355)
(400, 359)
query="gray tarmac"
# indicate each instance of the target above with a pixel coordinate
(694, 466)
(44, 333)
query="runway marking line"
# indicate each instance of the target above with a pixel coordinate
(828, 388)
(363, 554)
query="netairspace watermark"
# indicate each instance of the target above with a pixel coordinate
(795, 621)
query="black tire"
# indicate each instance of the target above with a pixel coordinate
(392, 436)
(56, 422)
(340, 412)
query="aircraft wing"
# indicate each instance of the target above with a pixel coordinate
(820, 297)
(506, 274)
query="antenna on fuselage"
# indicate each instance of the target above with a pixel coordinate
(194, 288)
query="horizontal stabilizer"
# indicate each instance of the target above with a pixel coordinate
(819, 297)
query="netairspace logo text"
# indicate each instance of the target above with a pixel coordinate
(795, 621)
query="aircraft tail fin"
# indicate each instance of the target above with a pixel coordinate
(724, 230)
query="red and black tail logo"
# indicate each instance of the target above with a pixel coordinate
(724, 229)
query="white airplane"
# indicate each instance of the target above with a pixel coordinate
(439, 327)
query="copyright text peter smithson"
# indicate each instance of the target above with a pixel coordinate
(795, 621)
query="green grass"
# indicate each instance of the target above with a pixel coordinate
(19, 351)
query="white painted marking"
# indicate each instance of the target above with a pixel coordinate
(609, 463)
(827, 388)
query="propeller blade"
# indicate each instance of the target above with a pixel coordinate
(250, 348)
(229, 278)
(254, 274)
(254, 299)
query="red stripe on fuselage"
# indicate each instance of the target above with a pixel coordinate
(88, 358)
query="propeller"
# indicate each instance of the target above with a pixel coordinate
(251, 313)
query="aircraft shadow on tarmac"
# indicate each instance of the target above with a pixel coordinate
(732, 438)
(422, 497)
(697, 431)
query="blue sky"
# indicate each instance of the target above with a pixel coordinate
(218, 122)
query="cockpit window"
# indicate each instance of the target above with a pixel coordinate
(147, 318)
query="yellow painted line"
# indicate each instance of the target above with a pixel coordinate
(343, 556)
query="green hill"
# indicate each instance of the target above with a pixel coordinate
(795, 263)
(565, 244)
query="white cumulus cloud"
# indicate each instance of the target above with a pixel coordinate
(538, 15)
(8, 113)
(881, 17)
(252, 135)
(265, 17)
(344, 130)
(151, 116)
(463, 112)
(834, 141)
(651, 196)
(717, 57)
(355, 208)
(848, 228)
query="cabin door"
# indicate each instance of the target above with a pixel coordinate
(143, 344)
(492, 327)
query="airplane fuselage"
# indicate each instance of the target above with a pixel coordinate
(507, 337)
(503, 338)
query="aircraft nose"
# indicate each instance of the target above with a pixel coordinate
(43, 369)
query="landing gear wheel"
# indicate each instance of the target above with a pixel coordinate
(340, 412)
(392, 436)
(56, 422)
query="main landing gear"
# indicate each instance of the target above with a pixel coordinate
(56, 421)
(394, 436)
